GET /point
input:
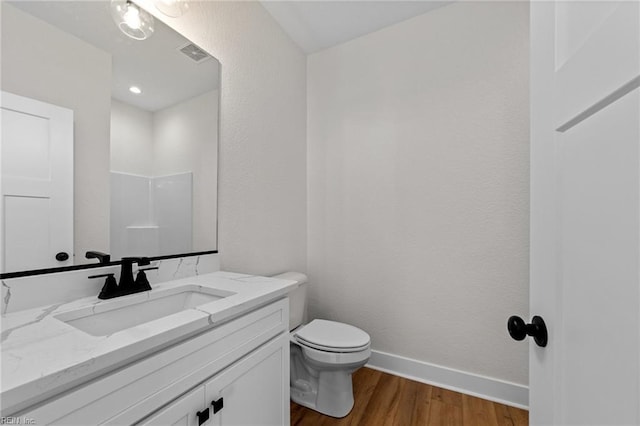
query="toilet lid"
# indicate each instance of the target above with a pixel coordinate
(332, 336)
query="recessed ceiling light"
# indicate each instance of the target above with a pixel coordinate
(135, 89)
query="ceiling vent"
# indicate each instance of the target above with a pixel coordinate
(195, 53)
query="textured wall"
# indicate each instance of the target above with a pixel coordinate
(262, 176)
(418, 186)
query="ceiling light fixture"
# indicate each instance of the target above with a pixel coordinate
(132, 20)
(172, 8)
(135, 89)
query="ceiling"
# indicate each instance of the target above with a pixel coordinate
(317, 25)
(314, 25)
(165, 75)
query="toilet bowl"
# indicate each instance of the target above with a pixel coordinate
(322, 365)
(324, 355)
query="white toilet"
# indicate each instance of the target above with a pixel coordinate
(324, 355)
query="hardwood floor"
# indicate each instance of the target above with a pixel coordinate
(384, 399)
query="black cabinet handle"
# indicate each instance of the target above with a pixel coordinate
(518, 330)
(217, 405)
(203, 416)
(62, 256)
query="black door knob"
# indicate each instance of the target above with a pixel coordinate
(62, 256)
(518, 330)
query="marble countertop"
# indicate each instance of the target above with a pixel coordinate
(43, 356)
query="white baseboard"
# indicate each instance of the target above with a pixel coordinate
(471, 384)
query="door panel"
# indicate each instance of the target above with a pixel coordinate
(604, 61)
(585, 212)
(36, 186)
(28, 219)
(25, 144)
(579, 20)
(599, 266)
(251, 398)
(255, 390)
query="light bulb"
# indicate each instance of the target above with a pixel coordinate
(132, 16)
(132, 20)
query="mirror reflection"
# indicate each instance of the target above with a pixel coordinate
(109, 143)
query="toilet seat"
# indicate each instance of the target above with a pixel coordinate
(335, 359)
(331, 336)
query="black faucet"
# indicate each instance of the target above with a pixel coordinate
(126, 274)
(127, 284)
(102, 257)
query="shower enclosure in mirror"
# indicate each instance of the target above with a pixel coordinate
(109, 143)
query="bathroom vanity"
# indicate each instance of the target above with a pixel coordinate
(208, 348)
(219, 355)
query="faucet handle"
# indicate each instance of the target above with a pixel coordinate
(110, 288)
(142, 283)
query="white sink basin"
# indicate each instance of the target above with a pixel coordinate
(129, 311)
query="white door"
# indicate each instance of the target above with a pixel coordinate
(255, 390)
(585, 213)
(36, 185)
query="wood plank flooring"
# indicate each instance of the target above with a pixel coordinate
(385, 400)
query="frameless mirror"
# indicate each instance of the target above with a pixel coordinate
(124, 131)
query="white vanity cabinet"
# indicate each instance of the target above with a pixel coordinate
(186, 411)
(242, 364)
(250, 392)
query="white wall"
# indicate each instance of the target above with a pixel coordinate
(262, 176)
(131, 139)
(178, 139)
(185, 138)
(132, 217)
(31, 68)
(262, 213)
(262, 171)
(418, 186)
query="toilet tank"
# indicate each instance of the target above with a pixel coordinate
(297, 298)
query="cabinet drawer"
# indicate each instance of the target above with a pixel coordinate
(182, 412)
(132, 392)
